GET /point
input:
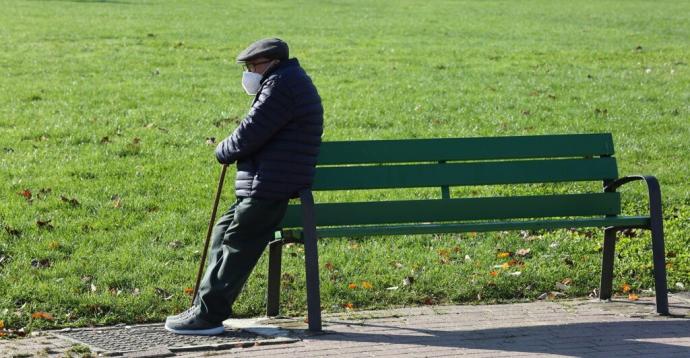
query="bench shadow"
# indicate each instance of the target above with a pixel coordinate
(566, 339)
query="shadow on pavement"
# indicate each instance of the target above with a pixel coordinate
(564, 339)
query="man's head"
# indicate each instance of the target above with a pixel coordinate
(263, 54)
(258, 58)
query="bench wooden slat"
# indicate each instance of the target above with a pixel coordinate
(450, 149)
(418, 229)
(476, 173)
(420, 211)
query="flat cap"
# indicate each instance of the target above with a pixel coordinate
(272, 48)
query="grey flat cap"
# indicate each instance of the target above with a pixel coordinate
(275, 49)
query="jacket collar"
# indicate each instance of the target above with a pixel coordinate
(280, 66)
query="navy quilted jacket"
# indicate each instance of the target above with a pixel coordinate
(277, 143)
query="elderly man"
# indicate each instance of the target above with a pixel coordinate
(275, 148)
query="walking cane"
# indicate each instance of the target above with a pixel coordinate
(208, 233)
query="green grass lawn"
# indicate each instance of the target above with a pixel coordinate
(107, 107)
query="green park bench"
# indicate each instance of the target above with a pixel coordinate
(419, 163)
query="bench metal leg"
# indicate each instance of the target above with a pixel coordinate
(275, 251)
(605, 287)
(658, 251)
(311, 261)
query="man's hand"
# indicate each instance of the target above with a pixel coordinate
(222, 159)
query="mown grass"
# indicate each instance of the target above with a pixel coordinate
(110, 105)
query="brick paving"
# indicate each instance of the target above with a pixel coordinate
(562, 328)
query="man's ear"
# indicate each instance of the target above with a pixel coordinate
(272, 63)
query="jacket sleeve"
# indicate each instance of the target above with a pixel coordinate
(270, 112)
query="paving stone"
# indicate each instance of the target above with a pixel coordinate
(539, 329)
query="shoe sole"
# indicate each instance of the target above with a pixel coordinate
(198, 332)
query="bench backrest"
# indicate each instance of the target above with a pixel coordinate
(381, 164)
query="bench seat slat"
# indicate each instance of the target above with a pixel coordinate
(418, 229)
(449, 149)
(488, 208)
(454, 174)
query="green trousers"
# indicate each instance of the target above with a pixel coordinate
(238, 240)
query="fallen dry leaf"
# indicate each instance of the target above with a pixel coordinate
(42, 315)
(502, 255)
(633, 297)
(567, 281)
(117, 201)
(348, 305)
(329, 266)
(562, 287)
(73, 201)
(554, 294)
(522, 252)
(163, 294)
(594, 293)
(42, 263)
(12, 231)
(45, 224)
(26, 193)
(188, 291)
(493, 273)
(287, 278)
(43, 193)
(629, 233)
(366, 284)
(2, 324)
(352, 286)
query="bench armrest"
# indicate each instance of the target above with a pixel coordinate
(656, 226)
(617, 183)
(653, 190)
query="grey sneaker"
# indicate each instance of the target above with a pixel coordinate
(189, 322)
(182, 316)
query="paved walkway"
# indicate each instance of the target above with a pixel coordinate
(563, 328)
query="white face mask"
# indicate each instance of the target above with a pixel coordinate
(251, 82)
